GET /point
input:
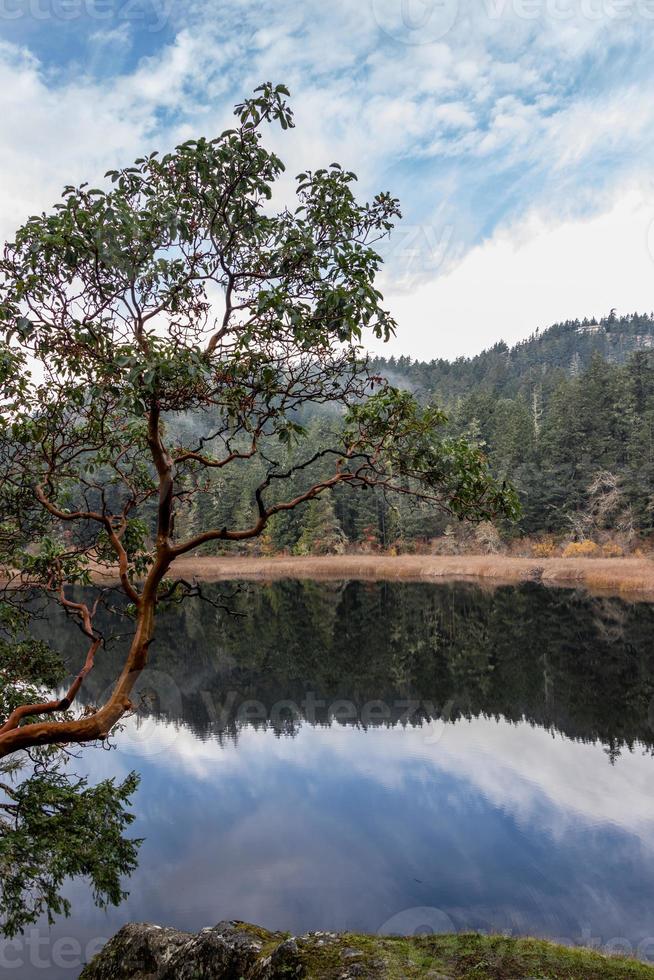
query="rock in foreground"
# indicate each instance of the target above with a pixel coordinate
(238, 951)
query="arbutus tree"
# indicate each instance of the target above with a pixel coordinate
(181, 289)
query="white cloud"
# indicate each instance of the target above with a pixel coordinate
(455, 114)
(537, 272)
(120, 35)
(489, 134)
(515, 767)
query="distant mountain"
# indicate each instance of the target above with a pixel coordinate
(563, 349)
(566, 416)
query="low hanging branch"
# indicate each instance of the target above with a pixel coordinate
(49, 707)
(85, 616)
(109, 295)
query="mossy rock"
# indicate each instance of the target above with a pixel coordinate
(239, 951)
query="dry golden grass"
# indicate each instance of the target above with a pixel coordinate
(629, 577)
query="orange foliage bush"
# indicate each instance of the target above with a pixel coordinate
(543, 549)
(582, 549)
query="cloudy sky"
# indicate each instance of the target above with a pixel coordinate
(518, 134)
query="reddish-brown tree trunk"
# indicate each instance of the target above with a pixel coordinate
(99, 724)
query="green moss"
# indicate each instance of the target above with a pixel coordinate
(462, 956)
(269, 939)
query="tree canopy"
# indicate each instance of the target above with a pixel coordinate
(188, 284)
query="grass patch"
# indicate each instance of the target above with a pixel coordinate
(460, 956)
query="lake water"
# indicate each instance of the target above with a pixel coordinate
(385, 757)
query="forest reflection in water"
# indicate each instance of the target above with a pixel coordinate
(353, 756)
(293, 653)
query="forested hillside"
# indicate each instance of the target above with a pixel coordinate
(534, 363)
(567, 416)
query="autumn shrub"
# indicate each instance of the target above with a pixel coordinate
(612, 550)
(544, 549)
(582, 549)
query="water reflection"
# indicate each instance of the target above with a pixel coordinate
(515, 797)
(389, 654)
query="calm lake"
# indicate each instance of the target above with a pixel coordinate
(385, 757)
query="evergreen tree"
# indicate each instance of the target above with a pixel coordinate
(321, 532)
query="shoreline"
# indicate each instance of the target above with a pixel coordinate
(629, 578)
